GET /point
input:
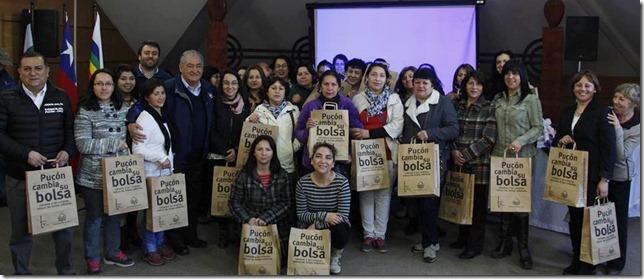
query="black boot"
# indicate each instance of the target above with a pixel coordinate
(504, 248)
(224, 232)
(461, 241)
(522, 225)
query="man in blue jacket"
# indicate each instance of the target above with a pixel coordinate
(188, 106)
(36, 124)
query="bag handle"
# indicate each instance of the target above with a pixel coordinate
(601, 201)
(42, 167)
(574, 145)
(505, 151)
(128, 152)
(414, 140)
(330, 104)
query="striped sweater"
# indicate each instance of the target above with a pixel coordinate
(313, 202)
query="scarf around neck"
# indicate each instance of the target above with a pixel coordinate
(236, 104)
(274, 110)
(160, 119)
(377, 103)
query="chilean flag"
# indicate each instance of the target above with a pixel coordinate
(66, 71)
(67, 78)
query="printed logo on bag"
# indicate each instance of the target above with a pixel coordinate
(168, 195)
(124, 175)
(43, 223)
(262, 270)
(368, 157)
(325, 127)
(62, 217)
(516, 201)
(561, 167)
(50, 190)
(509, 176)
(263, 247)
(254, 132)
(224, 182)
(564, 194)
(604, 225)
(307, 247)
(176, 219)
(134, 201)
(420, 185)
(420, 162)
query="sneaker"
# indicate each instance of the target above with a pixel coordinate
(335, 267)
(417, 249)
(381, 245)
(93, 267)
(429, 253)
(367, 245)
(153, 258)
(166, 253)
(119, 259)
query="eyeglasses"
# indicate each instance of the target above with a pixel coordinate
(234, 83)
(100, 84)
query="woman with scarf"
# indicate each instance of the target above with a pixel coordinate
(157, 155)
(381, 113)
(277, 111)
(231, 107)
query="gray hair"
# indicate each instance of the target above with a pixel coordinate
(190, 52)
(631, 91)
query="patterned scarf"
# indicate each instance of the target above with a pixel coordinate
(236, 104)
(274, 110)
(377, 103)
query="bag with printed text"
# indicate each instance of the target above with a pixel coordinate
(259, 250)
(51, 199)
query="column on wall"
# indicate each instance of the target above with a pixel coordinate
(217, 34)
(552, 61)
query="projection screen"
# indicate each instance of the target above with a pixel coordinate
(443, 34)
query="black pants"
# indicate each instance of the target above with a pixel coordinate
(619, 193)
(340, 235)
(475, 233)
(194, 185)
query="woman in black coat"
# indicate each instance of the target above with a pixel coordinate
(585, 123)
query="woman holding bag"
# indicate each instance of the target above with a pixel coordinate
(157, 156)
(585, 124)
(381, 113)
(231, 107)
(430, 116)
(471, 152)
(277, 111)
(262, 193)
(626, 120)
(99, 131)
(323, 199)
(519, 124)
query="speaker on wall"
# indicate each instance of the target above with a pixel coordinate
(581, 38)
(44, 31)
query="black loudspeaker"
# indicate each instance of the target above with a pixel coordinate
(44, 31)
(581, 38)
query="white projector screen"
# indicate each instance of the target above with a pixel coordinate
(444, 36)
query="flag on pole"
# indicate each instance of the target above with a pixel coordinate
(66, 72)
(29, 39)
(96, 52)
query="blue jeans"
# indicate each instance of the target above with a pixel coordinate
(151, 240)
(21, 241)
(94, 216)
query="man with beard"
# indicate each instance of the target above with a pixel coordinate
(149, 53)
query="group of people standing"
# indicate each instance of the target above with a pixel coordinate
(192, 122)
